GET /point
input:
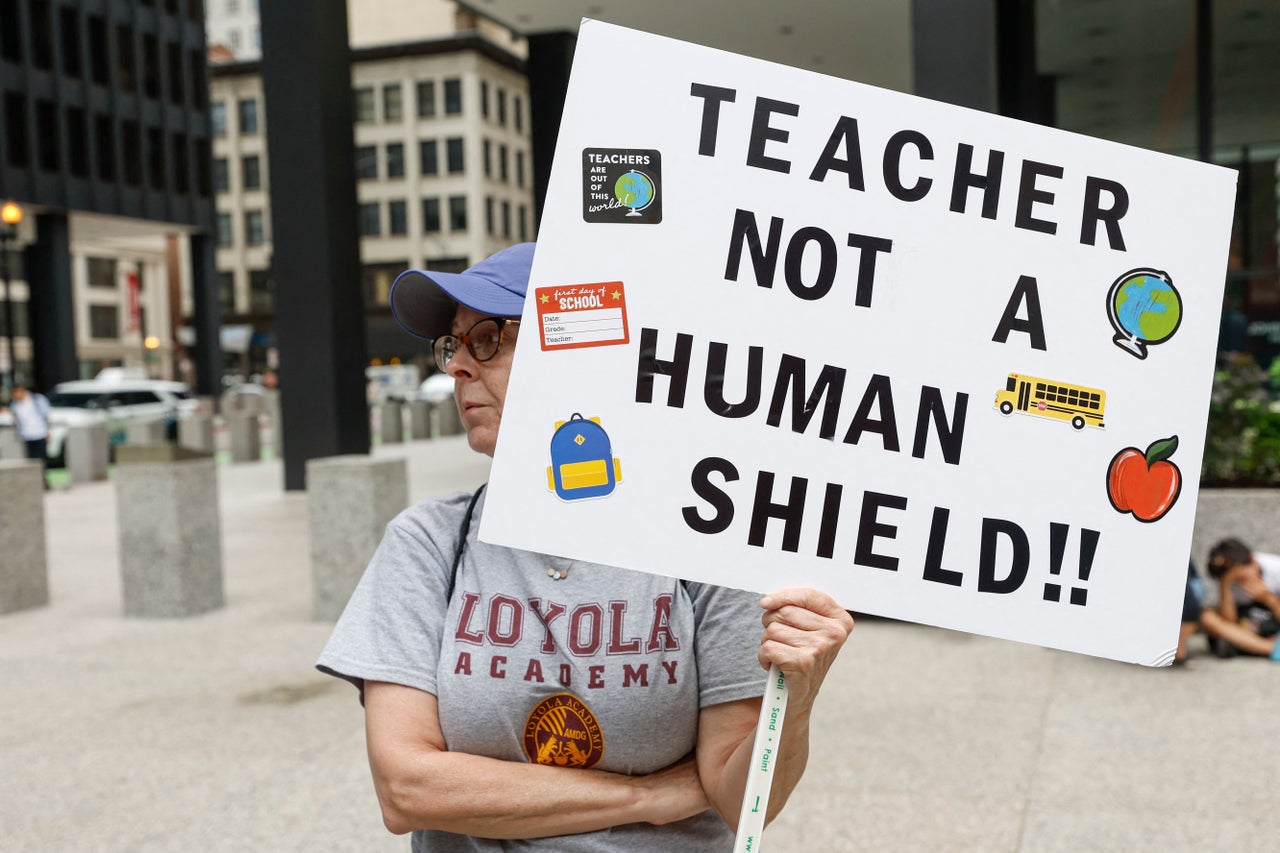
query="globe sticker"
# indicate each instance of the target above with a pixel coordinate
(1145, 310)
(622, 185)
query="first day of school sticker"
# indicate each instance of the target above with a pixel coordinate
(582, 315)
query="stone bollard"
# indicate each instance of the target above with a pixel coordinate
(24, 578)
(392, 422)
(145, 432)
(196, 433)
(85, 452)
(170, 533)
(447, 420)
(419, 420)
(246, 438)
(271, 408)
(351, 498)
(11, 447)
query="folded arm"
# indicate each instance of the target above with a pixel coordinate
(421, 785)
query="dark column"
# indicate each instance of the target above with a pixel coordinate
(954, 45)
(206, 316)
(550, 57)
(306, 75)
(1204, 79)
(50, 311)
(1021, 91)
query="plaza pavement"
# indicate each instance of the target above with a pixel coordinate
(214, 733)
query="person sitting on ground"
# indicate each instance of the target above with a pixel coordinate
(1247, 617)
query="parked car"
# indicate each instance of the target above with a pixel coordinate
(115, 401)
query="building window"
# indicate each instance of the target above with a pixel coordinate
(181, 163)
(155, 158)
(397, 217)
(520, 168)
(458, 213)
(47, 137)
(227, 292)
(221, 177)
(99, 65)
(395, 160)
(233, 41)
(41, 34)
(426, 98)
(101, 272)
(69, 25)
(453, 97)
(431, 216)
(517, 112)
(151, 66)
(104, 322)
(522, 223)
(377, 279)
(254, 228)
(506, 219)
(366, 108)
(502, 163)
(428, 158)
(218, 118)
(199, 88)
(262, 292)
(251, 172)
(370, 219)
(177, 88)
(10, 36)
(488, 158)
(367, 162)
(131, 145)
(225, 238)
(15, 130)
(392, 105)
(488, 214)
(248, 116)
(502, 107)
(204, 156)
(126, 74)
(484, 99)
(453, 155)
(233, 7)
(105, 141)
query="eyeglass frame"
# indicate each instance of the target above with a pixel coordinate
(464, 339)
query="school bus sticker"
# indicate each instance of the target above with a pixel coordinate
(1078, 405)
(571, 316)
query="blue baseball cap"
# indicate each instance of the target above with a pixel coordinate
(423, 302)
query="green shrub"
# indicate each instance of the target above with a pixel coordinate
(1242, 447)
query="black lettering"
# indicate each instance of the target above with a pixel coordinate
(879, 393)
(870, 246)
(719, 501)
(712, 97)
(846, 132)
(950, 436)
(1029, 196)
(933, 570)
(893, 165)
(1028, 291)
(790, 513)
(826, 268)
(791, 375)
(763, 260)
(713, 390)
(870, 528)
(762, 132)
(992, 529)
(989, 183)
(830, 517)
(648, 365)
(1094, 212)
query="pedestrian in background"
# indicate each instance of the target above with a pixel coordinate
(30, 411)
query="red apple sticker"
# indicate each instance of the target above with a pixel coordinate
(1145, 484)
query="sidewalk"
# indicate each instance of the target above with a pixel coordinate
(215, 733)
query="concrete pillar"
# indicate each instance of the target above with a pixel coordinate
(24, 571)
(196, 433)
(419, 420)
(448, 421)
(246, 439)
(392, 422)
(11, 447)
(351, 499)
(85, 452)
(170, 534)
(145, 432)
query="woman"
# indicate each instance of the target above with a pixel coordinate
(512, 695)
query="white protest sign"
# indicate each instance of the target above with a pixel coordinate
(947, 366)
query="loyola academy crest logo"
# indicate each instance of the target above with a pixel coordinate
(622, 185)
(563, 732)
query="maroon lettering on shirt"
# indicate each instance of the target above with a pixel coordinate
(496, 667)
(554, 611)
(534, 672)
(463, 666)
(465, 634)
(617, 619)
(660, 635)
(638, 674)
(584, 629)
(596, 680)
(506, 621)
(670, 667)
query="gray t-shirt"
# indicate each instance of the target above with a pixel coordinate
(605, 668)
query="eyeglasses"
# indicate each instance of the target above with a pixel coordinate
(483, 340)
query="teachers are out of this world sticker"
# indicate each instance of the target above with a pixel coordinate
(582, 315)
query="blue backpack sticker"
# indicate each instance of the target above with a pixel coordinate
(582, 461)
